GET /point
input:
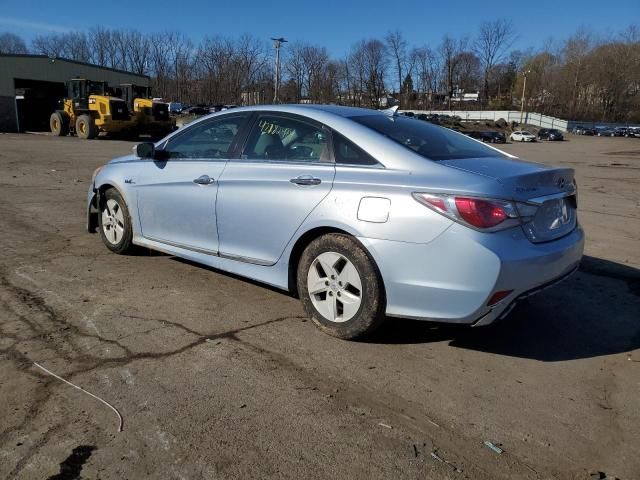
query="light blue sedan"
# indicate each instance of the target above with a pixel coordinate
(363, 214)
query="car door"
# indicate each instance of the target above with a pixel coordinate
(176, 193)
(285, 170)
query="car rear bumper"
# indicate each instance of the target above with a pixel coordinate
(452, 278)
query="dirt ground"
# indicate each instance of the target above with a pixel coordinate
(218, 377)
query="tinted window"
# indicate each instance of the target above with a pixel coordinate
(286, 139)
(430, 141)
(348, 153)
(209, 139)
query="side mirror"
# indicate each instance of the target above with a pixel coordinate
(144, 150)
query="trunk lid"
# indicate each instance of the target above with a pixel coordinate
(544, 195)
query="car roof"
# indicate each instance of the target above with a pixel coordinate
(309, 109)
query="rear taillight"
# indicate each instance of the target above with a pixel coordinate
(480, 213)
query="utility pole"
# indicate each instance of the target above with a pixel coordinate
(276, 43)
(524, 87)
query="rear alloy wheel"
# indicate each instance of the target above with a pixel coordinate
(340, 287)
(85, 128)
(115, 223)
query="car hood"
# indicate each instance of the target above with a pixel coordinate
(522, 179)
(124, 158)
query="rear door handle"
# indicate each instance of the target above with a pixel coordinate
(204, 180)
(306, 180)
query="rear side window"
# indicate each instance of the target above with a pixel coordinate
(425, 139)
(348, 153)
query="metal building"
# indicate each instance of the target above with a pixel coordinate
(31, 85)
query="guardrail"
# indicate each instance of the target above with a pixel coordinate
(529, 118)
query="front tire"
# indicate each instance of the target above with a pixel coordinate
(86, 128)
(340, 287)
(116, 229)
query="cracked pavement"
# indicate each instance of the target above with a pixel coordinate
(219, 377)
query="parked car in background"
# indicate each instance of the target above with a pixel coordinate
(176, 107)
(522, 136)
(433, 118)
(472, 134)
(550, 134)
(197, 110)
(633, 132)
(580, 130)
(620, 131)
(431, 225)
(493, 137)
(487, 137)
(605, 132)
(220, 107)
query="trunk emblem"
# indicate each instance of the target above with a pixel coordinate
(561, 182)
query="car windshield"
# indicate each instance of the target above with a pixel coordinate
(425, 139)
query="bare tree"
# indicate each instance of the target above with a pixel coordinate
(427, 67)
(12, 43)
(575, 52)
(493, 40)
(397, 52)
(375, 69)
(450, 50)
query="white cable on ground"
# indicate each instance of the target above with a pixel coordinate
(83, 390)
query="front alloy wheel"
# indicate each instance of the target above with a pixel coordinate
(115, 222)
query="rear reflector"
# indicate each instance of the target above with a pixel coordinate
(498, 297)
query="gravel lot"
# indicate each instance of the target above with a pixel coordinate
(218, 377)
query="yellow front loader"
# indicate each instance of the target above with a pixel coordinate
(150, 116)
(90, 108)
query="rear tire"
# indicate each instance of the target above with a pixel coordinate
(59, 124)
(86, 128)
(340, 287)
(114, 219)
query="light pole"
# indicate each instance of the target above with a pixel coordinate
(524, 87)
(276, 43)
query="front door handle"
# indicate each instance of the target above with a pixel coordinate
(204, 180)
(306, 180)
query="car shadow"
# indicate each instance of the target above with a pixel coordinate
(595, 312)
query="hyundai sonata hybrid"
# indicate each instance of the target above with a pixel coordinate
(363, 214)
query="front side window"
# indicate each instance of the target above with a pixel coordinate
(208, 139)
(275, 138)
(430, 141)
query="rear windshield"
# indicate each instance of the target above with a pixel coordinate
(428, 140)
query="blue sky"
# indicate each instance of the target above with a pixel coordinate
(331, 23)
